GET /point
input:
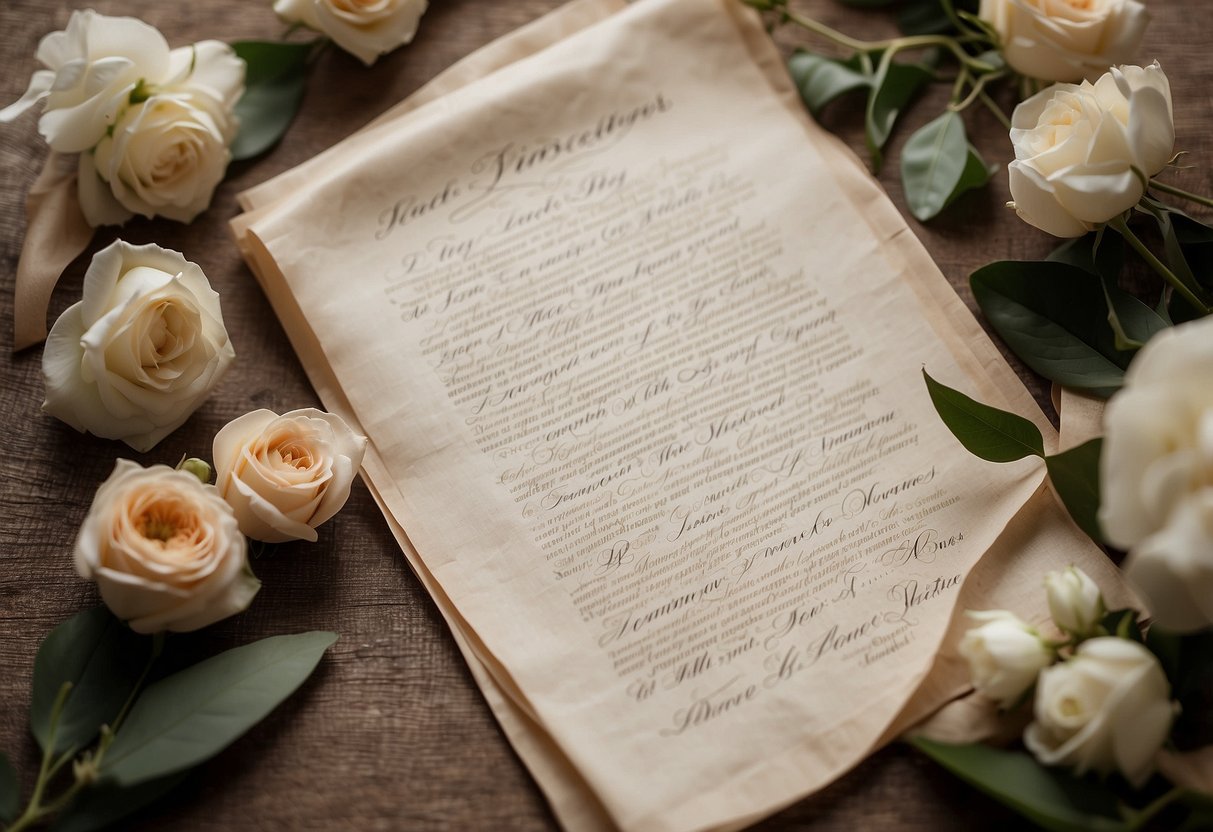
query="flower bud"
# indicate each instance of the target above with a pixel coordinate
(1074, 601)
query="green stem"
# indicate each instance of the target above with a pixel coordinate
(979, 87)
(1179, 192)
(993, 107)
(34, 810)
(1132, 239)
(953, 45)
(1152, 811)
(963, 77)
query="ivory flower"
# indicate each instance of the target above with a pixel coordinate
(285, 475)
(1107, 708)
(1156, 475)
(364, 28)
(1075, 602)
(1084, 151)
(164, 550)
(166, 154)
(92, 67)
(1004, 654)
(1066, 40)
(141, 351)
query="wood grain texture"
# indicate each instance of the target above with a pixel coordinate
(391, 733)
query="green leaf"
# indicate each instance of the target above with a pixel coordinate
(10, 791)
(975, 175)
(273, 89)
(992, 434)
(932, 163)
(893, 87)
(104, 804)
(1054, 317)
(1051, 798)
(821, 79)
(189, 717)
(1075, 477)
(1173, 251)
(102, 659)
(1133, 323)
(1096, 253)
(1123, 624)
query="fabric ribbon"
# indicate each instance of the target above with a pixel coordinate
(56, 234)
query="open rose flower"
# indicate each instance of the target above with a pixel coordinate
(1108, 708)
(166, 153)
(1156, 475)
(285, 475)
(141, 351)
(165, 550)
(92, 67)
(1066, 40)
(1083, 152)
(1004, 654)
(364, 28)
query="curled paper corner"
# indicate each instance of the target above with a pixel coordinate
(56, 233)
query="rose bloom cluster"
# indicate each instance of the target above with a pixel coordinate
(152, 125)
(364, 28)
(1106, 707)
(168, 551)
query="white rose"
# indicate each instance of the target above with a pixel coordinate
(1066, 40)
(1075, 601)
(167, 153)
(364, 28)
(285, 475)
(1004, 654)
(1083, 152)
(1156, 475)
(1108, 707)
(141, 351)
(93, 66)
(164, 550)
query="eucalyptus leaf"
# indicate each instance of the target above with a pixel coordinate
(10, 791)
(102, 659)
(1097, 253)
(932, 163)
(976, 174)
(894, 86)
(1051, 798)
(1133, 323)
(1053, 316)
(1075, 477)
(273, 90)
(992, 434)
(104, 804)
(187, 718)
(821, 79)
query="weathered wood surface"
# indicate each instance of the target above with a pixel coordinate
(391, 733)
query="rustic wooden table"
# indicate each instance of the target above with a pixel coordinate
(391, 732)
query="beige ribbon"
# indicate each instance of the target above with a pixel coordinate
(55, 235)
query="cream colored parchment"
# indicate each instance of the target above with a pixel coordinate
(644, 384)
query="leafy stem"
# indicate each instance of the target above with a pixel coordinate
(87, 765)
(955, 45)
(976, 93)
(1133, 240)
(1180, 192)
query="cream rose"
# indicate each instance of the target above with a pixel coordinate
(1004, 654)
(1156, 475)
(364, 28)
(1066, 40)
(1106, 708)
(285, 475)
(93, 66)
(141, 351)
(1083, 152)
(168, 152)
(165, 550)
(1075, 601)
